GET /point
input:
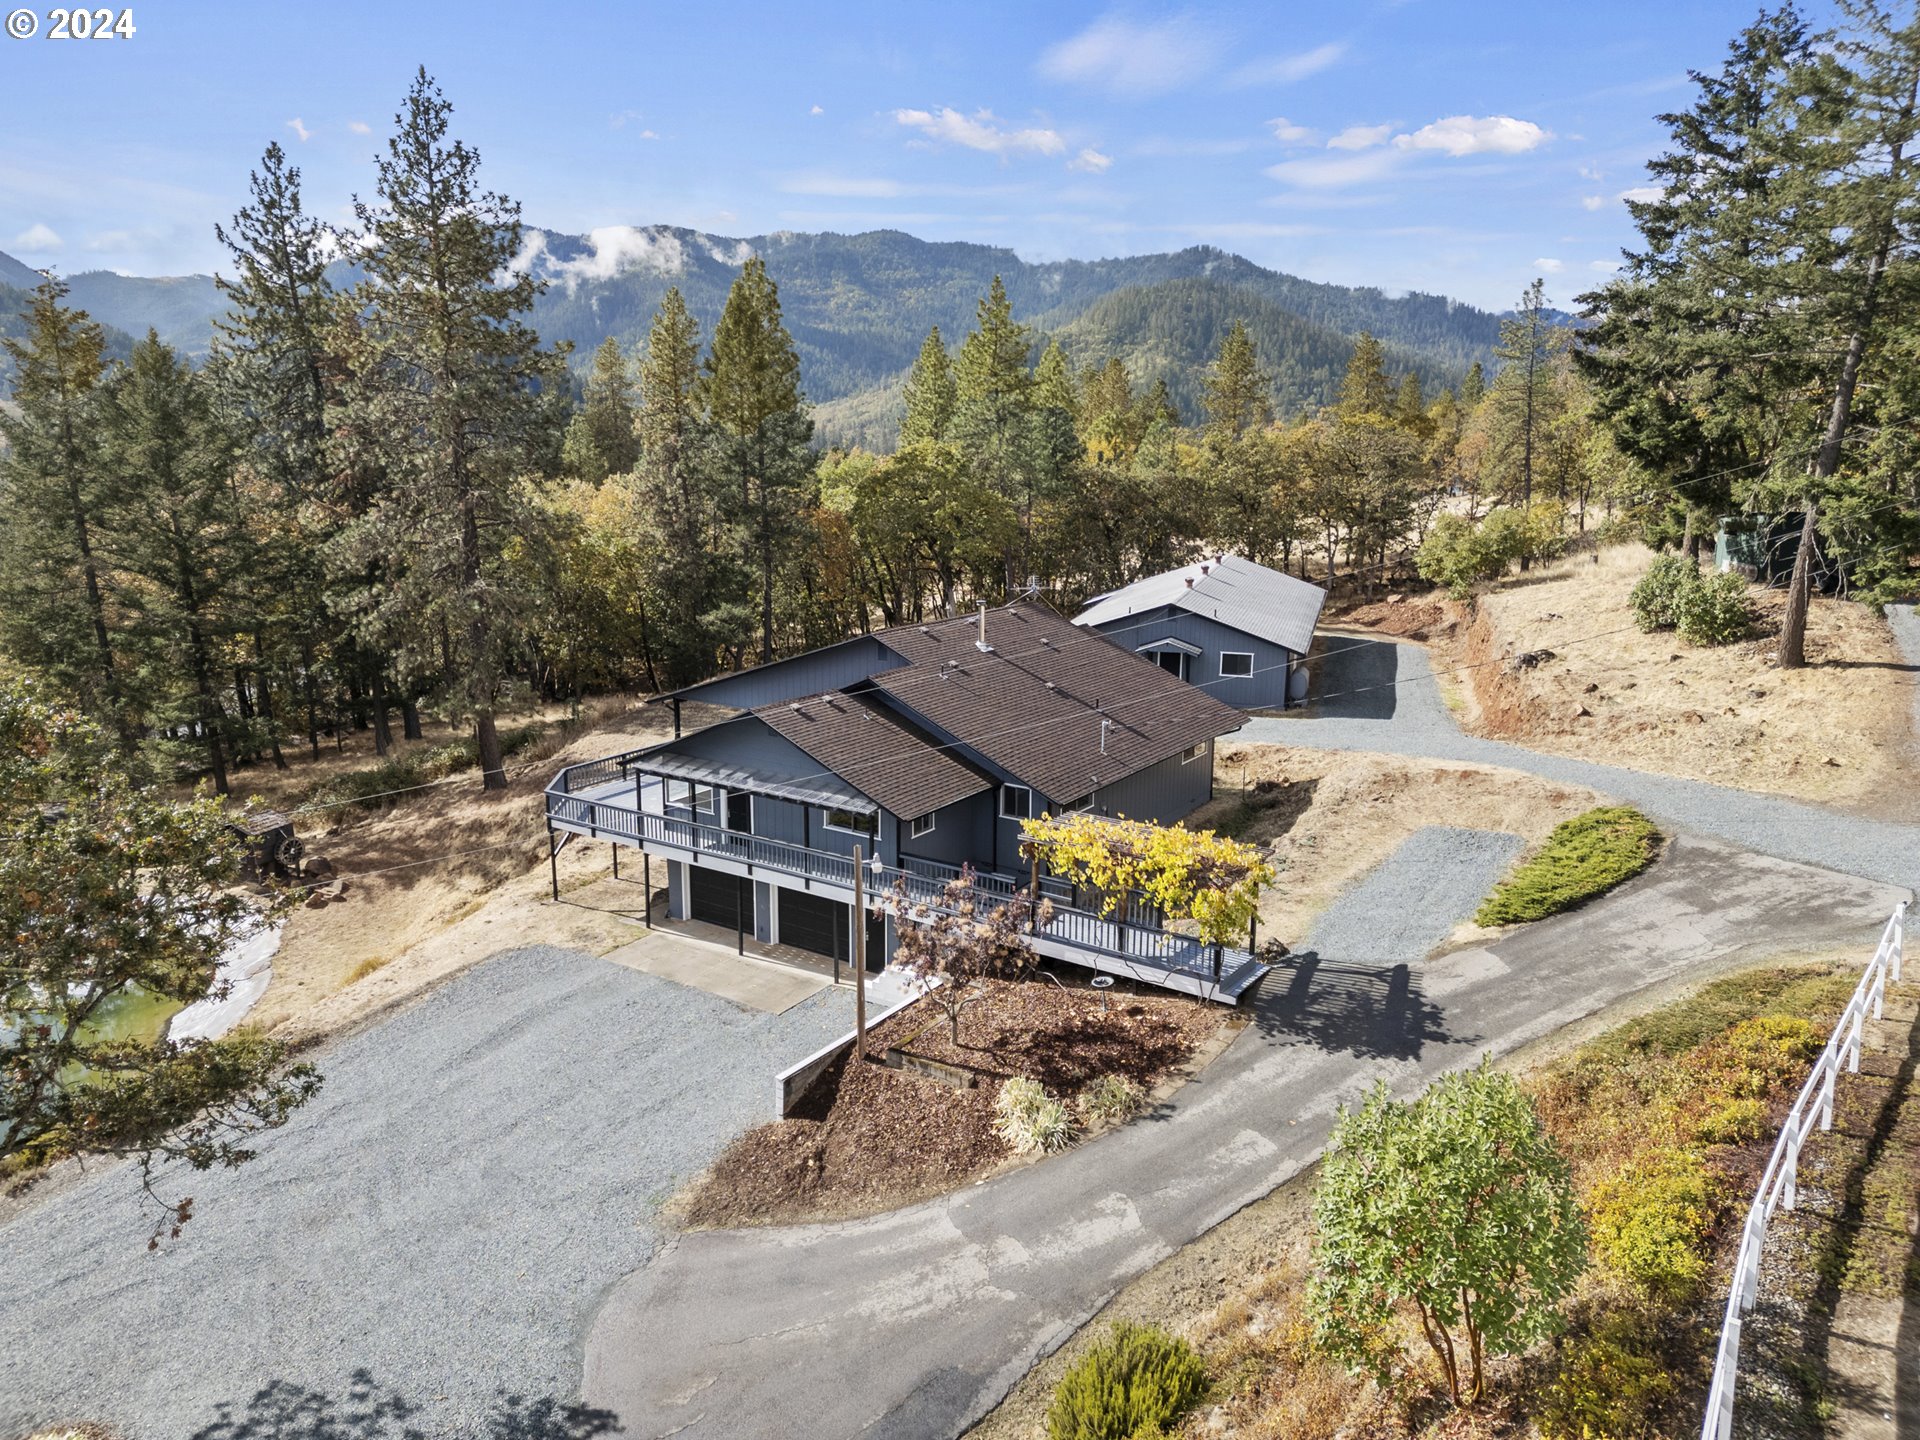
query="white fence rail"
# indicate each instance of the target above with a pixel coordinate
(1813, 1107)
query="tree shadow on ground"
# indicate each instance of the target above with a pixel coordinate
(368, 1410)
(1377, 1013)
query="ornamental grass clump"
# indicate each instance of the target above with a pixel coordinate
(1030, 1120)
(1111, 1099)
(1135, 1381)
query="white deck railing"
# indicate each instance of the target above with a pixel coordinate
(1813, 1107)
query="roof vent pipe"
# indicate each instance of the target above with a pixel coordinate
(1104, 724)
(1189, 582)
(981, 644)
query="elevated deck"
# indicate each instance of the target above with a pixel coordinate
(602, 800)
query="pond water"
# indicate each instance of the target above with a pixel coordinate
(133, 1014)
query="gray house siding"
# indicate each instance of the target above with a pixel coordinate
(833, 668)
(962, 832)
(1265, 689)
(1163, 793)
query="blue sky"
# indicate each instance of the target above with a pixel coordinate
(1455, 148)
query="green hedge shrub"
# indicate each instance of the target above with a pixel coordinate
(1656, 596)
(1583, 857)
(1732, 1122)
(1651, 1223)
(1135, 1380)
(1460, 554)
(1713, 610)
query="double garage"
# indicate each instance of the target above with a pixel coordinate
(802, 919)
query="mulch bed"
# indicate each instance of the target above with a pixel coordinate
(870, 1138)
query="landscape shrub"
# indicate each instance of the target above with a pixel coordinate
(1732, 1122)
(1610, 1384)
(1767, 1051)
(1713, 610)
(1111, 1099)
(1656, 595)
(1583, 857)
(1133, 1382)
(1651, 1223)
(1029, 1119)
(1460, 554)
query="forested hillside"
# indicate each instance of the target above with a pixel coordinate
(858, 307)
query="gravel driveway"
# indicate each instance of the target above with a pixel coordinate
(420, 1250)
(1380, 695)
(1410, 902)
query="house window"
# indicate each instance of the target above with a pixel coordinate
(1016, 802)
(689, 796)
(1236, 662)
(853, 823)
(918, 827)
(1080, 806)
(1193, 752)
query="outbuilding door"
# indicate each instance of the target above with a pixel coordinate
(719, 899)
(814, 923)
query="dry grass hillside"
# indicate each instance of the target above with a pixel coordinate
(440, 878)
(1839, 731)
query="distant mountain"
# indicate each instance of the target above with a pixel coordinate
(17, 275)
(859, 306)
(16, 300)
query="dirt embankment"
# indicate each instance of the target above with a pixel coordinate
(1553, 660)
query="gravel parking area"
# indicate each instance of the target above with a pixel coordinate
(1904, 621)
(1410, 902)
(420, 1250)
(1355, 672)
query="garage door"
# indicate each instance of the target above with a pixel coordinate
(815, 923)
(718, 899)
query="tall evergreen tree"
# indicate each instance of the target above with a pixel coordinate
(54, 600)
(600, 440)
(1473, 389)
(752, 391)
(1365, 389)
(173, 524)
(1238, 396)
(453, 395)
(929, 393)
(675, 498)
(1522, 388)
(993, 383)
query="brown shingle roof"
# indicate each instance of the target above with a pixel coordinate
(876, 752)
(1033, 705)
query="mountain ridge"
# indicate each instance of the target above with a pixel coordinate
(860, 304)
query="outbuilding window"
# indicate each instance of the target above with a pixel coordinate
(1193, 752)
(1236, 662)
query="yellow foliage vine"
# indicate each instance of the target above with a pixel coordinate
(1191, 875)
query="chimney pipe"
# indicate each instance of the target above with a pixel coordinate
(983, 623)
(1189, 582)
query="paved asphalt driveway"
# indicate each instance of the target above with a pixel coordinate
(912, 1325)
(419, 1251)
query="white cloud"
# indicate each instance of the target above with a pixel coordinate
(980, 131)
(649, 134)
(1288, 133)
(1643, 193)
(299, 129)
(1286, 69)
(1329, 172)
(1476, 135)
(1590, 172)
(610, 249)
(1360, 137)
(1603, 267)
(816, 110)
(112, 240)
(1550, 266)
(1131, 57)
(1592, 202)
(359, 127)
(38, 238)
(1090, 159)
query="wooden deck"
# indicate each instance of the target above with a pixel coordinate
(598, 800)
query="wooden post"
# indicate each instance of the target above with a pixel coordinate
(615, 846)
(647, 860)
(553, 863)
(1033, 894)
(859, 961)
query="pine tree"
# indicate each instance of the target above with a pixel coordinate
(454, 399)
(929, 393)
(1473, 389)
(172, 523)
(752, 392)
(600, 439)
(993, 385)
(1054, 386)
(1522, 389)
(675, 498)
(1364, 390)
(54, 591)
(270, 369)
(1238, 396)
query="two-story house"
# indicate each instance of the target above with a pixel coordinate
(926, 746)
